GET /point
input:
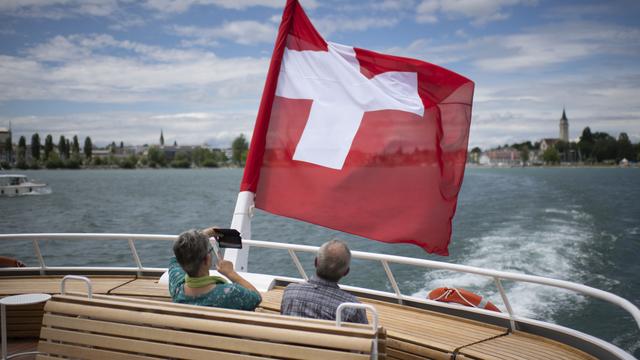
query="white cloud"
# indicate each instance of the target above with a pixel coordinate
(180, 6)
(534, 48)
(245, 32)
(330, 25)
(427, 11)
(63, 9)
(393, 5)
(75, 68)
(481, 11)
(59, 9)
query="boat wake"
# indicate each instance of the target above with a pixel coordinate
(552, 244)
(40, 191)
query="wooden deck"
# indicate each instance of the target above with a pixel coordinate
(411, 333)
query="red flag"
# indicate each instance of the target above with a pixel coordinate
(366, 143)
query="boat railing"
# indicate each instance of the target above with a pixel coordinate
(384, 260)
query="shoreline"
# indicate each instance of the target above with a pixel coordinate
(571, 166)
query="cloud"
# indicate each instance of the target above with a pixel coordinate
(427, 11)
(393, 5)
(330, 25)
(245, 32)
(481, 11)
(80, 69)
(181, 6)
(534, 48)
(58, 9)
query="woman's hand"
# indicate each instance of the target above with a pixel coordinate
(210, 232)
(225, 268)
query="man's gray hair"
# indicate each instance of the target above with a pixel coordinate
(191, 249)
(333, 260)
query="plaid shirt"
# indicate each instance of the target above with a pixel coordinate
(319, 299)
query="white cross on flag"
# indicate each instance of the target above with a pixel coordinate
(367, 143)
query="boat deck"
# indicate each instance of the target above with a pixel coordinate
(412, 333)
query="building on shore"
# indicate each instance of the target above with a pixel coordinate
(561, 144)
(5, 134)
(564, 127)
(507, 156)
(512, 156)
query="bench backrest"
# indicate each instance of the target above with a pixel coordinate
(108, 327)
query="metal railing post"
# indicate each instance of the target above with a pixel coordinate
(507, 304)
(392, 280)
(136, 258)
(296, 261)
(36, 247)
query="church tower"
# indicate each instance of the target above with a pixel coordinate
(564, 127)
(161, 138)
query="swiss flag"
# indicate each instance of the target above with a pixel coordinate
(366, 143)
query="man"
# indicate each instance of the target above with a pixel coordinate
(320, 296)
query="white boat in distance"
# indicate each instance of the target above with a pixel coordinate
(15, 184)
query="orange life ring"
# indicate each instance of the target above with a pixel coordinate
(10, 262)
(461, 296)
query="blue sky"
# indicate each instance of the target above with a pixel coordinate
(121, 70)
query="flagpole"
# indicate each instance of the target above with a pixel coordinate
(241, 220)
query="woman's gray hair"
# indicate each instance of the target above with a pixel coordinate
(333, 260)
(191, 249)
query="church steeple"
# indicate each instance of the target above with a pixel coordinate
(564, 126)
(161, 138)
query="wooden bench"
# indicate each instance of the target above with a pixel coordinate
(111, 327)
(412, 333)
(24, 321)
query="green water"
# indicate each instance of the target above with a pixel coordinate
(567, 223)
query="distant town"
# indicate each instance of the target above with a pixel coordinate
(592, 148)
(68, 153)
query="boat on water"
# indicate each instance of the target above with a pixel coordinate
(15, 185)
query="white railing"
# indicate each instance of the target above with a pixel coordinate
(384, 260)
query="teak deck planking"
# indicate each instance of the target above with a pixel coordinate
(411, 333)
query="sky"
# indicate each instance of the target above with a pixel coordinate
(123, 70)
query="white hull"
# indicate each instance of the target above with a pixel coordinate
(22, 189)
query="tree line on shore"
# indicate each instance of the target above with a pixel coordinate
(591, 148)
(67, 154)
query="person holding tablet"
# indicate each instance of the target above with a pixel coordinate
(189, 280)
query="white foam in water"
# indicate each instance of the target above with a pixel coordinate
(629, 340)
(551, 246)
(40, 191)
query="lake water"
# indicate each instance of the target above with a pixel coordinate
(577, 224)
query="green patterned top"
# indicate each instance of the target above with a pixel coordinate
(228, 296)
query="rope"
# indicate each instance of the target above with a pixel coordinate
(465, 299)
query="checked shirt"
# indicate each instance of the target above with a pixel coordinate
(319, 299)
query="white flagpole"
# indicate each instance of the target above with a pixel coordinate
(241, 221)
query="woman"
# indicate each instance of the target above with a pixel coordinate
(189, 280)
